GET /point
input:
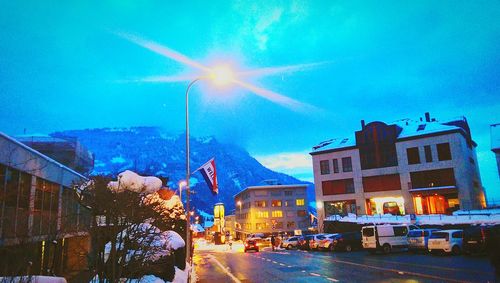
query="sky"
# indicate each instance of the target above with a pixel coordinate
(75, 64)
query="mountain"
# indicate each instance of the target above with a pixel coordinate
(151, 151)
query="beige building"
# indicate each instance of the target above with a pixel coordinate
(422, 167)
(271, 209)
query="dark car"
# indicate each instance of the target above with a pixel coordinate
(347, 241)
(251, 245)
(303, 243)
(475, 239)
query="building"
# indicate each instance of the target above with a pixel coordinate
(422, 167)
(495, 143)
(271, 209)
(43, 229)
(66, 150)
(229, 226)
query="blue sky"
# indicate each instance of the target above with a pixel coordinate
(63, 65)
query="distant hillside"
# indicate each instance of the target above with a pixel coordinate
(148, 150)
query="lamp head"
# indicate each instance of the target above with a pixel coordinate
(222, 75)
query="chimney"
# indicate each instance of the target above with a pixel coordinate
(427, 117)
(362, 124)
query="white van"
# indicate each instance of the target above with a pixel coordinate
(384, 237)
(448, 241)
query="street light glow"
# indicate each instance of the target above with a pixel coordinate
(222, 75)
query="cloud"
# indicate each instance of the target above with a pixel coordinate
(263, 25)
(297, 164)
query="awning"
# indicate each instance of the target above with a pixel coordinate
(433, 189)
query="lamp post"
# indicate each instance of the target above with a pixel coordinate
(181, 184)
(220, 76)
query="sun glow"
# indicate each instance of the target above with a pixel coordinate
(222, 75)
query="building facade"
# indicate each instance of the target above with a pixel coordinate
(495, 143)
(271, 209)
(421, 167)
(43, 229)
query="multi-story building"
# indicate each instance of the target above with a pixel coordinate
(271, 209)
(422, 167)
(495, 143)
(43, 229)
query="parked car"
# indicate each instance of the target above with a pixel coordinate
(304, 242)
(314, 241)
(475, 238)
(327, 242)
(418, 239)
(385, 237)
(347, 241)
(251, 245)
(290, 243)
(391, 207)
(448, 241)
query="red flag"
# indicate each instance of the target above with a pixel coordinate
(210, 175)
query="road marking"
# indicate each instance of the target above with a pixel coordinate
(289, 266)
(332, 279)
(236, 280)
(268, 259)
(282, 264)
(274, 261)
(314, 274)
(401, 272)
(397, 271)
(303, 271)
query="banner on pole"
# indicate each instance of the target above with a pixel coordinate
(210, 175)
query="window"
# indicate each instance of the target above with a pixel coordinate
(299, 202)
(413, 155)
(12, 182)
(444, 152)
(324, 167)
(288, 203)
(338, 187)
(301, 213)
(260, 226)
(279, 225)
(262, 214)
(428, 153)
(276, 202)
(368, 232)
(260, 203)
(471, 160)
(457, 235)
(288, 193)
(277, 213)
(276, 193)
(335, 166)
(400, 230)
(290, 214)
(260, 193)
(25, 189)
(290, 225)
(346, 164)
(339, 207)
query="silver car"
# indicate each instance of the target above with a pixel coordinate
(290, 243)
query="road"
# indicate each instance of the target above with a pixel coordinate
(316, 266)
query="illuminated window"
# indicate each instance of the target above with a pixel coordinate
(277, 213)
(276, 202)
(260, 203)
(290, 225)
(262, 214)
(299, 202)
(288, 203)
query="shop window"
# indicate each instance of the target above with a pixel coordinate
(346, 164)
(432, 178)
(335, 166)
(339, 207)
(275, 202)
(413, 155)
(428, 153)
(385, 205)
(444, 152)
(299, 202)
(324, 167)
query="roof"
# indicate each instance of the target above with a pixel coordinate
(271, 187)
(41, 155)
(40, 138)
(408, 129)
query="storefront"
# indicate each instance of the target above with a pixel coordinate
(437, 200)
(385, 205)
(340, 207)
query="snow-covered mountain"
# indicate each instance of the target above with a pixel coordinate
(151, 151)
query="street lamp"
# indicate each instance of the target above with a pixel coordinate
(221, 75)
(239, 204)
(181, 184)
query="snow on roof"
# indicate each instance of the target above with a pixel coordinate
(133, 182)
(409, 128)
(208, 224)
(267, 187)
(434, 219)
(39, 138)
